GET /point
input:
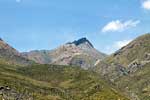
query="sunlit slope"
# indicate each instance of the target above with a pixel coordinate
(134, 50)
(122, 62)
(128, 68)
(51, 82)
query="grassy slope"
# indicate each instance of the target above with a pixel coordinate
(49, 82)
(137, 83)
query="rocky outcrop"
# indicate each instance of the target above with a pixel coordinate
(134, 66)
(138, 63)
(147, 56)
(7, 93)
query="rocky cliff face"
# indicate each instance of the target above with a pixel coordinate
(80, 52)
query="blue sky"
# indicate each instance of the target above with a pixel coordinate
(45, 24)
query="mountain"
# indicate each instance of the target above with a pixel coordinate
(10, 55)
(128, 66)
(80, 52)
(50, 82)
(128, 59)
(124, 75)
(137, 49)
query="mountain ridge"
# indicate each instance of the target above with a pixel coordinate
(66, 54)
(81, 41)
(125, 67)
(10, 55)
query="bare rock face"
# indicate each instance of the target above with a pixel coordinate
(80, 52)
(64, 54)
(138, 64)
(133, 66)
(147, 56)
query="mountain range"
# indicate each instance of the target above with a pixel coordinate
(76, 71)
(80, 53)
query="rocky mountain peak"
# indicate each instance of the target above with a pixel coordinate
(79, 52)
(82, 41)
(1, 39)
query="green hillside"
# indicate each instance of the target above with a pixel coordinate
(136, 85)
(134, 50)
(126, 60)
(51, 82)
(129, 68)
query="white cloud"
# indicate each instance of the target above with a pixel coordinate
(146, 4)
(18, 1)
(116, 46)
(119, 25)
(120, 44)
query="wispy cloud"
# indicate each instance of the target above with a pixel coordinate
(118, 25)
(116, 46)
(146, 4)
